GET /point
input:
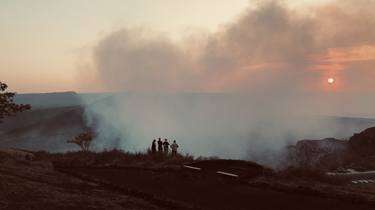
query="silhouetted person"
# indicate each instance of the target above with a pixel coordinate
(160, 146)
(153, 147)
(165, 146)
(174, 147)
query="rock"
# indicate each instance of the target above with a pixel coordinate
(363, 143)
(330, 153)
(317, 153)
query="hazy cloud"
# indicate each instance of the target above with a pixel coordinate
(277, 57)
(281, 42)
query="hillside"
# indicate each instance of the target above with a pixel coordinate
(358, 152)
(36, 185)
(43, 129)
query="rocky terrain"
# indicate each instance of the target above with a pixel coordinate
(328, 154)
(363, 142)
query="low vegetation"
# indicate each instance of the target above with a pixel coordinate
(83, 140)
(112, 158)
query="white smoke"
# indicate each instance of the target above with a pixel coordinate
(263, 76)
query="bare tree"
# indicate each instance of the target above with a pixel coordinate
(83, 140)
(7, 105)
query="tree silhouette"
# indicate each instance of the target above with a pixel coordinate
(83, 140)
(7, 105)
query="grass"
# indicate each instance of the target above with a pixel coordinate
(115, 158)
(120, 158)
(299, 180)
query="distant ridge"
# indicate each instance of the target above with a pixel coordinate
(54, 99)
(43, 93)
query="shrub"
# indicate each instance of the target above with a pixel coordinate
(83, 140)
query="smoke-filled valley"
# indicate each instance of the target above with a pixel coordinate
(224, 125)
(256, 84)
(205, 124)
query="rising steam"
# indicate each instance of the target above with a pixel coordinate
(264, 77)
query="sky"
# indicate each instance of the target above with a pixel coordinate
(42, 42)
(49, 46)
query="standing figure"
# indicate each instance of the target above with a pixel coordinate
(153, 147)
(174, 147)
(160, 146)
(166, 146)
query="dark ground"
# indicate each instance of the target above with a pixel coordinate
(37, 186)
(115, 182)
(210, 191)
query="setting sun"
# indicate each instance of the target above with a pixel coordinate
(331, 80)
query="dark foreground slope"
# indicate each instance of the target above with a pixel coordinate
(162, 178)
(118, 180)
(209, 191)
(35, 185)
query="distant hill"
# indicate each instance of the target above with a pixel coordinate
(59, 99)
(53, 119)
(48, 100)
(43, 129)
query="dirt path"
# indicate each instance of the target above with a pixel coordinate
(210, 191)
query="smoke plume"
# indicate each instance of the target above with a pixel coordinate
(254, 85)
